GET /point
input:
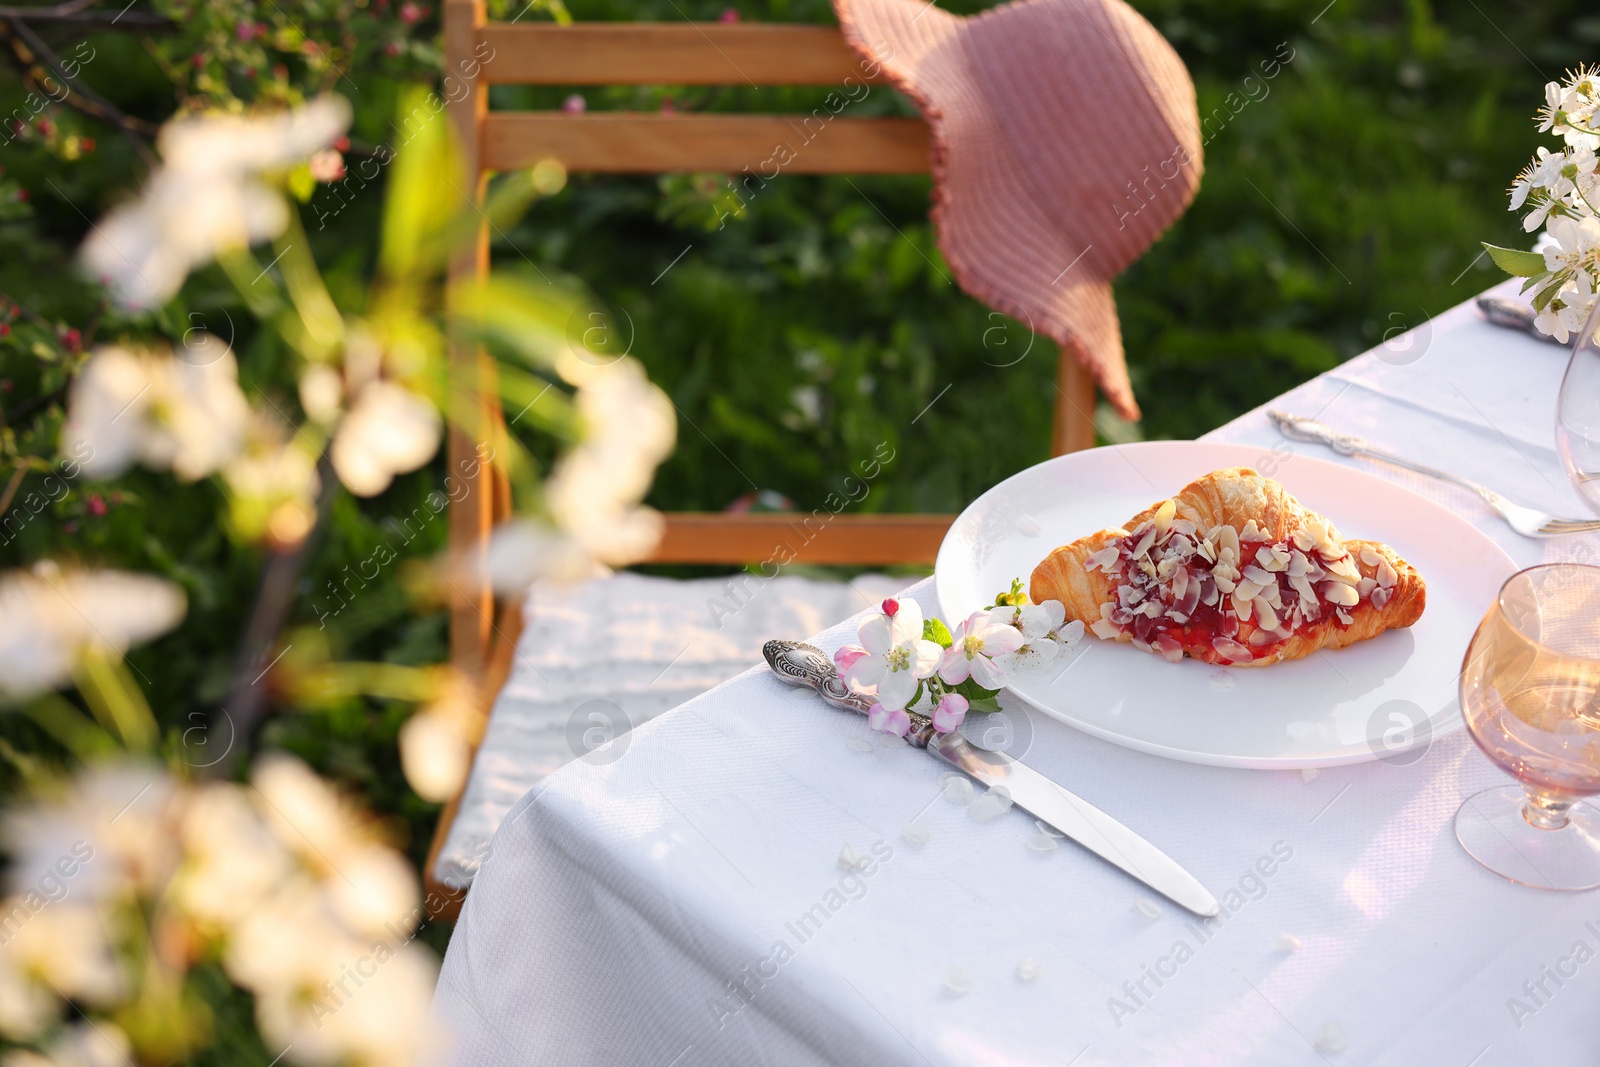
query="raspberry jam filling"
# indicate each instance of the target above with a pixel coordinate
(1226, 595)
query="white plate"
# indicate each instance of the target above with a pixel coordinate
(1382, 698)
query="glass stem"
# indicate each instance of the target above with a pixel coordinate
(1545, 810)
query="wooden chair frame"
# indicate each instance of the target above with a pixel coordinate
(479, 54)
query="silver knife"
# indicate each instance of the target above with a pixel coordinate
(1514, 315)
(807, 665)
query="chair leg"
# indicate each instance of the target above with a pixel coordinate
(1075, 402)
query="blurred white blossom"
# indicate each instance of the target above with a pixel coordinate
(101, 1044)
(49, 618)
(206, 197)
(185, 413)
(115, 819)
(232, 863)
(594, 491)
(389, 430)
(284, 881)
(437, 742)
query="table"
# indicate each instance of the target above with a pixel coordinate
(676, 899)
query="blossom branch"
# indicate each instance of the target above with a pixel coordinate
(97, 106)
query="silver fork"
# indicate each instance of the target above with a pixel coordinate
(1529, 522)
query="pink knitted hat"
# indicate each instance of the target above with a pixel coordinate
(1065, 140)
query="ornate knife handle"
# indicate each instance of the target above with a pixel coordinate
(806, 665)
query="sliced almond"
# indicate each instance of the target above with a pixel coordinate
(1251, 532)
(1242, 606)
(1145, 541)
(1380, 597)
(1259, 576)
(1207, 550)
(1247, 590)
(1266, 618)
(1370, 556)
(1164, 516)
(1180, 582)
(1224, 583)
(1100, 558)
(1344, 616)
(1344, 570)
(1104, 628)
(1231, 650)
(1297, 564)
(1106, 609)
(1365, 586)
(1229, 539)
(1386, 574)
(1340, 594)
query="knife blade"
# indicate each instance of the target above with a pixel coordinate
(1078, 819)
(805, 665)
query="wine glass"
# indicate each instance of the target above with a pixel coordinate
(1578, 412)
(1530, 693)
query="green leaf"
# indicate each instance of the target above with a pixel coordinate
(426, 187)
(979, 698)
(1514, 261)
(301, 183)
(1548, 293)
(1535, 280)
(936, 631)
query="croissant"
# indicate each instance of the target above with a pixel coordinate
(1231, 571)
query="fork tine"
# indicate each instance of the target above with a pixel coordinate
(1569, 526)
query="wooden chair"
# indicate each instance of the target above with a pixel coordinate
(641, 143)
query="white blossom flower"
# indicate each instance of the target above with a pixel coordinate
(306, 814)
(232, 862)
(523, 551)
(897, 658)
(594, 491)
(373, 891)
(49, 618)
(976, 644)
(187, 414)
(389, 430)
(112, 826)
(98, 1044)
(206, 197)
(65, 948)
(1574, 243)
(1045, 634)
(436, 743)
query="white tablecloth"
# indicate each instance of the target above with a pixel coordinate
(682, 904)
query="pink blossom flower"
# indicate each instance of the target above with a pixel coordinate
(847, 655)
(950, 713)
(897, 657)
(574, 104)
(976, 642)
(895, 721)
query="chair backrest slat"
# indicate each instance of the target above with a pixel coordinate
(677, 53)
(761, 145)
